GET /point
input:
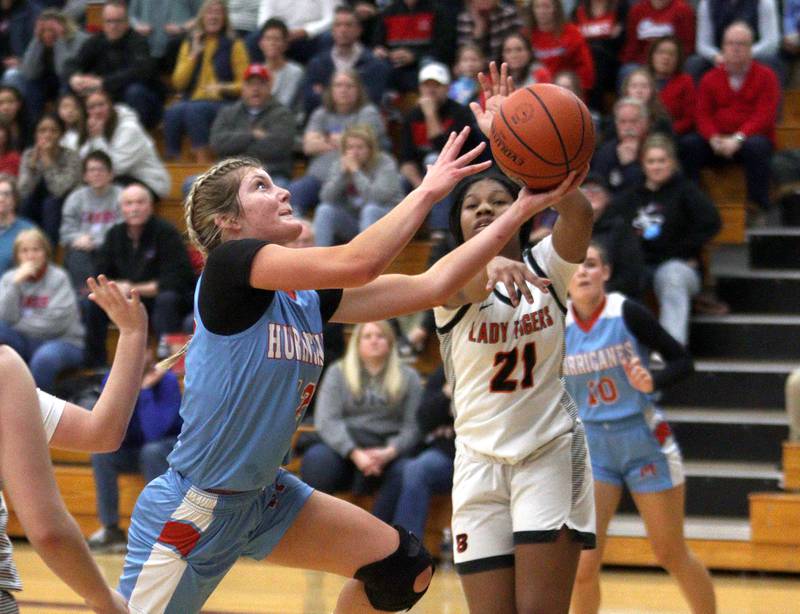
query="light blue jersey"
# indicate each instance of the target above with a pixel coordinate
(246, 393)
(596, 352)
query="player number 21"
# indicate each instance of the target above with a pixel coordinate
(507, 361)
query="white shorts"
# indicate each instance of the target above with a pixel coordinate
(497, 506)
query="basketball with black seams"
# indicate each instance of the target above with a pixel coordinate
(541, 134)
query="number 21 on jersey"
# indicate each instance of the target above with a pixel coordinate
(505, 379)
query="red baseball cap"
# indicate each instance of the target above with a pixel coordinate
(257, 70)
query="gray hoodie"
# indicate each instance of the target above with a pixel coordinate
(45, 308)
(86, 212)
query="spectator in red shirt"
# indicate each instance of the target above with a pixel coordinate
(678, 94)
(9, 157)
(522, 67)
(559, 45)
(602, 24)
(652, 19)
(737, 110)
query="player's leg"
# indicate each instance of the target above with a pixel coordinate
(552, 498)
(490, 591)
(331, 535)
(663, 517)
(586, 593)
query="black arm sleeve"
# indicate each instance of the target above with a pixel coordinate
(328, 303)
(648, 331)
(228, 303)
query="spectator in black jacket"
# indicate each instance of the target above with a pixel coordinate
(426, 129)
(118, 61)
(431, 471)
(143, 252)
(407, 33)
(674, 221)
(617, 237)
(617, 159)
(347, 53)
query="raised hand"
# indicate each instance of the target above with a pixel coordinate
(128, 314)
(496, 88)
(514, 275)
(450, 168)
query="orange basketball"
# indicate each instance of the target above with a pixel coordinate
(542, 133)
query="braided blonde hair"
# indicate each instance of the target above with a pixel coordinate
(215, 193)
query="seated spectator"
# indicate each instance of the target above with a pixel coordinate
(713, 20)
(465, 87)
(407, 34)
(9, 157)
(56, 42)
(17, 22)
(793, 405)
(47, 173)
(558, 44)
(617, 159)
(309, 23)
(39, 315)
(258, 126)
(365, 418)
(347, 53)
(570, 81)
(89, 213)
(487, 23)
(361, 187)
(344, 103)
(162, 24)
(15, 115)
(522, 64)
(151, 435)
(143, 252)
(640, 85)
(618, 238)
(737, 111)
(652, 19)
(790, 43)
(116, 130)
(117, 60)
(425, 130)
(674, 220)
(431, 471)
(10, 223)
(287, 76)
(602, 24)
(208, 73)
(244, 16)
(72, 112)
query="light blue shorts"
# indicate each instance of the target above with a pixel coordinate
(639, 452)
(183, 540)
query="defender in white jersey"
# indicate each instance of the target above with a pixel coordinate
(25, 463)
(522, 487)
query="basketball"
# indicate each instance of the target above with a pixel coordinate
(541, 134)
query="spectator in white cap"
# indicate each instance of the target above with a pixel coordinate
(425, 131)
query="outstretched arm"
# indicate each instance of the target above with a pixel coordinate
(28, 478)
(367, 255)
(103, 428)
(394, 295)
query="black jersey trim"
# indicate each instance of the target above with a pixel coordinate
(528, 255)
(504, 561)
(587, 540)
(443, 330)
(504, 299)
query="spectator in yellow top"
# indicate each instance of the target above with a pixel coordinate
(208, 72)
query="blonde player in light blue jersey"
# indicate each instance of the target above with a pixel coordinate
(609, 341)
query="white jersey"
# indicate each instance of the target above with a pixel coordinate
(504, 365)
(51, 408)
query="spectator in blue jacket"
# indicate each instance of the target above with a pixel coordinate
(152, 432)
(347, 53)
(17, 21)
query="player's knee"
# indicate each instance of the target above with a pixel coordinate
(588, 570)
(669, 556)
(400, 580)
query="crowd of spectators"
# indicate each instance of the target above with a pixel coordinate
(364, 93)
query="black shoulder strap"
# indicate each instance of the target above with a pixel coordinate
(541, 273)
(442, 330)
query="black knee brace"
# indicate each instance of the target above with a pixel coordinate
(389, 583)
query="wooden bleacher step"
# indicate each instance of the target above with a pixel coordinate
(791, 465)
(726, 187)
(775, 519)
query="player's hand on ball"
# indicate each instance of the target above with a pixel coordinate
(496, 87)
(532, 203)
(514, 275)
(638, 375)
(450, 168)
